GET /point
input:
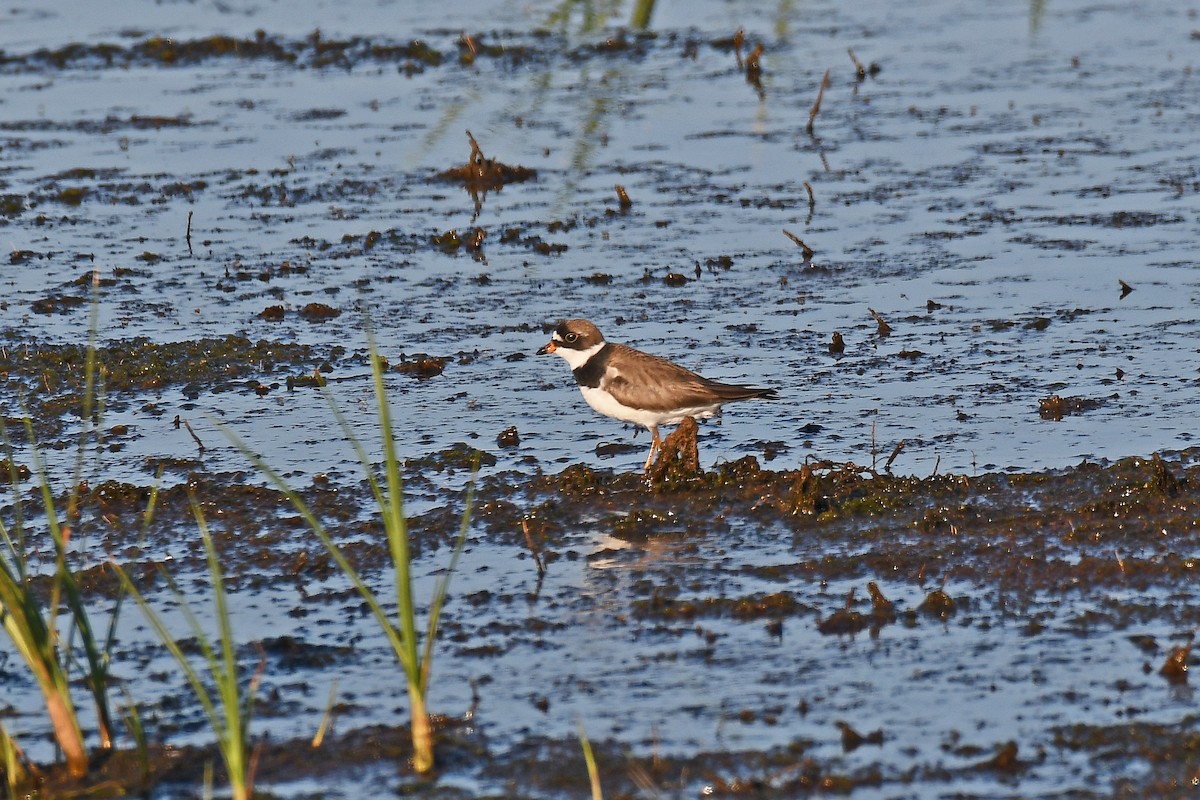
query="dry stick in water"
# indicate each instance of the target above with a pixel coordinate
(812, 115)
(874, 452)
(812, 202)
(754, 68)
(537, 556)
(805, 250)
(199, 443)
(860, 72)
(623, 198)
(738, 38)
(837, 345)
(884, 328)
(472, 48)
(189, 233)
(327, 718)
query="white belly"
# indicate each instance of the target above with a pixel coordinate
(604, 403)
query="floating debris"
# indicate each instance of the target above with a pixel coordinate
(845, 620)
(482, 174)
(804, 249)
(318, 312)
(883, 611)
(852, 739)
(623, 198)
(422, 366)
(509, 437)
(754, 69)
(11, 472)
(885, 330)
(1005, 760)
(860, 72)
(1175, 668)
(816, 108)
(1055, 407)
(938, 604)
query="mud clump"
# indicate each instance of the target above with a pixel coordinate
(1175, 668)
(1055, 407)
(11, 472)
(57, 304)
(482, 174)
(421, 366)
(847, 621)
(679, 457)
(318, 312)
(938, 604)
(509, 438)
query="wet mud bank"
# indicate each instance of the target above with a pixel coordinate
(713, 566)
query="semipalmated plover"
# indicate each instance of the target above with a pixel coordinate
(636, 387)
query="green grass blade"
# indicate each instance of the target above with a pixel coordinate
(589, 758)
(185, 664)
(25, 625)
(225, 671)
(318, 528)
(415, 660)
(133, 723)
(16, 548)
(359, 450)
(227, 713)
(643, 10)
(393, 519)
(11, 761)
(442, 587)
(52, 522)
(110, 639)
(33, 629)
(97, 662)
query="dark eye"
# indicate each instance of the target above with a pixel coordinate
(572, 337)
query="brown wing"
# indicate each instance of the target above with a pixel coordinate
(646, 381)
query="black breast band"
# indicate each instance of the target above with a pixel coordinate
(593, 370)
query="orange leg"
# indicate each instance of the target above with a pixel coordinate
(655, 446)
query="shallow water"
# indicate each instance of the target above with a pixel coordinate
(1010, 169)
(985, 191)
